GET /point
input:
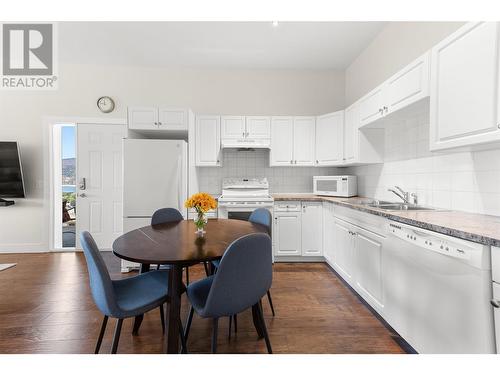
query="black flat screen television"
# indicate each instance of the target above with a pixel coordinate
(11, 175)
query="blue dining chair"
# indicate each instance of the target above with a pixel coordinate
(258, 216)
(244, 276)
(125, 298)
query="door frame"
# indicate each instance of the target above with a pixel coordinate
(51, 158)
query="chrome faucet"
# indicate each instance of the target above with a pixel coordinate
(404, 195)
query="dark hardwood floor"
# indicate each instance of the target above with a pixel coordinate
(46, 307)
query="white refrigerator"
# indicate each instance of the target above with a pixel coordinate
(154, 176)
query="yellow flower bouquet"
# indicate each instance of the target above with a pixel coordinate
(202, 203)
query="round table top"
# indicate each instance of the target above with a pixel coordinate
(177, 242)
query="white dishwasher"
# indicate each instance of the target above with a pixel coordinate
(438, 291)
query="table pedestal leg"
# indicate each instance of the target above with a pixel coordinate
(174, 308)
(138, 319)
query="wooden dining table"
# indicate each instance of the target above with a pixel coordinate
(177, 244)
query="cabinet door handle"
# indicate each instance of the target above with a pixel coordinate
(291, 161)
(159, 123)
(495, 303)
(156, 123)
(386, 109)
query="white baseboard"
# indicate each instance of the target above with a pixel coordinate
(24, 248)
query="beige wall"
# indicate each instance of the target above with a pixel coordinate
(394, 47)
(24, 227)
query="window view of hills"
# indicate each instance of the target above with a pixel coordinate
(69, 171)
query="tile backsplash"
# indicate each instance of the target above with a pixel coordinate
(465, 181)
(255, 163)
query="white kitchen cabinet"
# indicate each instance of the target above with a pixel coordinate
(153, 118)
(361, 146)
(312, 228)
(281, 153)
(344, 249)
(351, 129)
(371, 106)
(233, 127)
(172, 118)
(330, 139)
(143, 118)
(287, 230)
(207, 144)
(409, 85)
(329, 243)
(303, 140)
(258, 127)
(292, 141)
(464, 106)
(368, 263)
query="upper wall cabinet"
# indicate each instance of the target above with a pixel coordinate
(249, 131)
(464, 106)
(233, 127)
(207, 146)
(281, 153)
(330, 139)
(152, 118)
(292, 141)
(361, 146)
(408, 86)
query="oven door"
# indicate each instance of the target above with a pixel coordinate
(239, 212)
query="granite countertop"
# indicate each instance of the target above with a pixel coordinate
(484, 229)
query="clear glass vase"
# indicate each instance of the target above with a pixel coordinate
(200, 221)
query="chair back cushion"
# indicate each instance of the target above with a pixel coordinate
(262, 216)
(165, 215)
(100, 282)
(244, 276)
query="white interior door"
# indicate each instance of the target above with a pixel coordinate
(99, 182)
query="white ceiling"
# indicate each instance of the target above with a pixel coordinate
(247, 45)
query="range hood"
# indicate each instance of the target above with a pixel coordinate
(246, 143)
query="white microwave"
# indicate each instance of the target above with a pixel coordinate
(335, 186)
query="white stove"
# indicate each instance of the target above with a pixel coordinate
(240, 196)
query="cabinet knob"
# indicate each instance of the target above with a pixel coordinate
(291, 161)
(156, 123)
(317, 162)
(243, 135)
(498, 126)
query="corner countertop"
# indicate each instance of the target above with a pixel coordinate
(484, 229)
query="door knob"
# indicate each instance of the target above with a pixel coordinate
(83, 195)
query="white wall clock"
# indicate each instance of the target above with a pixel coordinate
(105, 104)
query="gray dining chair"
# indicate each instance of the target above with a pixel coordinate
(244, 276)
(258, 216)
(125, 298)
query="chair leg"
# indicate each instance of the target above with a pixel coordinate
(230, 321)
(207, 272)
(137, 323)
(214, 335)
(183, 338)
(264, 330)
(270, 301)
(101, 334)
(235, 317)
(187, 275)
(116, 336)
(188, 324)
(162, 317)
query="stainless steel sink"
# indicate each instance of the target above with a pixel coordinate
(391, 206)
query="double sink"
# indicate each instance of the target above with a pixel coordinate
(395, 206)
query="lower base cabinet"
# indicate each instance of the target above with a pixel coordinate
(287, 233)
(357, 257)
